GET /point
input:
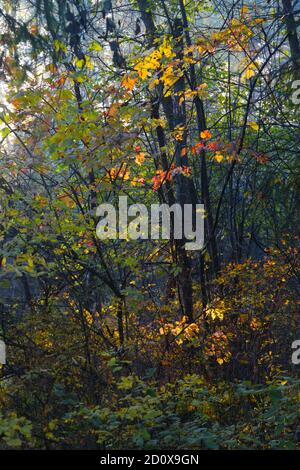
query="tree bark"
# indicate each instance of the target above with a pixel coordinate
(293, 39)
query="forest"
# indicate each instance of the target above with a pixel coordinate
(114, 341)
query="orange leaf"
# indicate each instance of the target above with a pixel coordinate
(140, 158)
(113, 110)
(128, 82)
(205, 134)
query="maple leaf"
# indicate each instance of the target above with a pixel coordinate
(197, 148)
(218, 157)
(128, 82)
(205, 134)
(140, 158)
(212, 145)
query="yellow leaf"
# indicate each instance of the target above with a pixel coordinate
(79, 63)
(244, 10)
(249, 72)
(205, 134)
(52, 68)
(140, 158)
(254, 125)
(95, 46)
(59, 46)
(88, 62)
(218, 157)
(166, 49)
(178, 133)
(124, 173)
(141, 70)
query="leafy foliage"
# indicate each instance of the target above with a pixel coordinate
(116, 344)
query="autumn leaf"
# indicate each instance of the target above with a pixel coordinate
(205, 134)
(244, 10)
(60, 81)
(16, 103)
(253, 125)
(121, 172)
(128, 82)
(166, 49)
(68, 201)
(113, 110)
(249, 72)
(141, 70)
(178, 133)
(51, 68)
(59, 46)
(212, 146)
(124, 173)
(197, 148)
(95, 47)
(140, 158)
(218, 157)
(150, 62)
(184, 152)
(262, 159)
(34, 29)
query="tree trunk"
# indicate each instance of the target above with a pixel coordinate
(291, 27)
